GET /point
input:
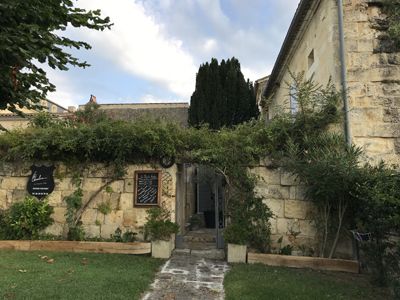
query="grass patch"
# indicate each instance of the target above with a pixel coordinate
(25, 275)
(263, 282)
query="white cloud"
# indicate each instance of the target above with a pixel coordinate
(136, 43)
(210, 45)
(66, 94)
(153, 99)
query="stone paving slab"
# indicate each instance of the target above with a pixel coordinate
(186, 277)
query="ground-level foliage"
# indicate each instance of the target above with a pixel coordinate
(25, 219)
(254, 282)
(24, 275)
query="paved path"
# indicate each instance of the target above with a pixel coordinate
(186, 277)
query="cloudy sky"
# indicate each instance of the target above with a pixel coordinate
(154, 49)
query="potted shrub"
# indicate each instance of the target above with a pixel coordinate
(160, 230)
(249, 225)
(237, 238)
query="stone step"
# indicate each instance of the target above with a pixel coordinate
(199, 236)
(217, 254)
(198, 245)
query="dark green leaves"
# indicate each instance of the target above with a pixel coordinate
(30, 31)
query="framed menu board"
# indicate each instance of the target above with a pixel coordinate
(147, 188)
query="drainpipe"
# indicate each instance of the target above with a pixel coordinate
(343, 74)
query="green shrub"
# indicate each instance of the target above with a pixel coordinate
(25, 220)
(159, 225)
(249, 222)
(379, 215)
(126, 237)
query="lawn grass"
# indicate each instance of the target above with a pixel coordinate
(248, 282)
(25, 275)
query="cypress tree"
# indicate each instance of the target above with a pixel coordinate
(222, 96)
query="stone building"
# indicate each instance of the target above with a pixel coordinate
(372, 72)
(171, 112)
(10, 120)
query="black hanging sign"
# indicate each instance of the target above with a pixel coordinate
(147, 188)
(41, 181)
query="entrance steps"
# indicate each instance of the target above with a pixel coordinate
(200, 243)
(217, 254)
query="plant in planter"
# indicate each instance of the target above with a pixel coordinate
(159, 229)
(237, 237)
(249, 226)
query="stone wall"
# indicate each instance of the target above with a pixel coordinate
(373, 71)
(294, 215)
(292, 212)
(124, 215)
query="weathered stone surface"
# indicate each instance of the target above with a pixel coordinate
(63, 184)
(274, 225)
(92, 184)
(126, 201)
(266, 175)
(112, 198)
(288, 179)
(59, 214)
(300, 192)
(11, 183)
(296, 209)
(273, 191)
(124, 214)
(281, 226)
(276, 206)
(108, 230)
(129, 185)
(307, 228)
(129, 217)
(3, 199)
(92, 231)
(18, 195)
(114, 217)
(55, 229)
(6, 169)
(118, 186)
(89, 216)
(55, 198)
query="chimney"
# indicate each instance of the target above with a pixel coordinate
(92, 99)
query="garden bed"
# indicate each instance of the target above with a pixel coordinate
(75, 246)
(315, 263)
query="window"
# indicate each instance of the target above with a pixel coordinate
(293, 99)
(311, 59)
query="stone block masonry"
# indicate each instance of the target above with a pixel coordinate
(123, 215)
(285, 196)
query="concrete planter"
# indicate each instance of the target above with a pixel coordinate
(237, 253)
(161, 249)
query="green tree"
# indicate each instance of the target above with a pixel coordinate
(30, 35)
(392, 10)
(222, 96)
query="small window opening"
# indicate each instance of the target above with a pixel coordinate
(293, 99)
(311, 59)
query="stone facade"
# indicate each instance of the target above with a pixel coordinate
(373, 70)
(124, 215)
(284, 195)
(170, 112)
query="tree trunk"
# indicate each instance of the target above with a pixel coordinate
(341, 211)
